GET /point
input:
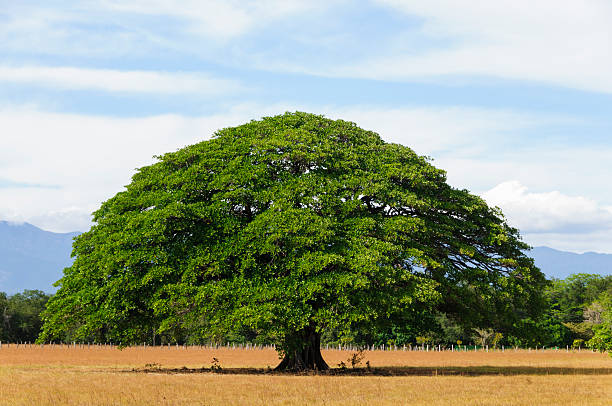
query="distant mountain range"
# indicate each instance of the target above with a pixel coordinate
(561, 264)
(31, 258)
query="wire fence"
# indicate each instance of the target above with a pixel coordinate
(328, 347)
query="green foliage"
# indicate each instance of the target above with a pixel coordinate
(602, 331)
(424, 340)
(578, 343)
(288, 227)
(392, 331)
(583, 331)
(580, 302)
(20, 315)
(448, 331)
(545, 331)
(572, 311)
(602, 338)
(496, 339)
(483, 336)
(570, 296)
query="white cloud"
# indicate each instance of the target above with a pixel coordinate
(49, 215)
(572, 170)
(563, 43)
(221, 19)
(554, 219)
(548, 212)
(64, 220)
(117, 81)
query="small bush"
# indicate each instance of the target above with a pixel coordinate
(356, 358)
(578, 343)
(216, 365)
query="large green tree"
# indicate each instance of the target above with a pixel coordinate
(288, 227)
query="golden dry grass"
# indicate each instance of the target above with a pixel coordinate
(196, 357)
(102, 376)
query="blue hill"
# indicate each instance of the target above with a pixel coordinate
(561, 264)
(31, 258)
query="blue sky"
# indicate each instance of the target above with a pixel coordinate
(512, 98)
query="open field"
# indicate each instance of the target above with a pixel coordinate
(106, 376)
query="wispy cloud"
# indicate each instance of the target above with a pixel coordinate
(556, 43)
(221, 19)
(548, 212)
(137, 28)
(12, 184)
(464, 131)
(561, 43)
(109, 80)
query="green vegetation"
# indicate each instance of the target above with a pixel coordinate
(578, 313)
(583, 303)
(287, 229)
(20, 315)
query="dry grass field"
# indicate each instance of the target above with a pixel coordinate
(171, 376)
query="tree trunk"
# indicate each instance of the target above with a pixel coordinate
(306, 355)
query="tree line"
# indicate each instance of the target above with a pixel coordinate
(578, 314)
(20, 315)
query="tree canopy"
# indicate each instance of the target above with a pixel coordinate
(287, 227)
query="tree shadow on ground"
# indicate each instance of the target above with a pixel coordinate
(387, 371)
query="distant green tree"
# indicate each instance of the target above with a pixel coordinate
(569, 297)
(20, 315)
(544, 331)
(483, 336)
(4, 316)
(288, 227)
(602, 327)
(393, 330)
(449, 332)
